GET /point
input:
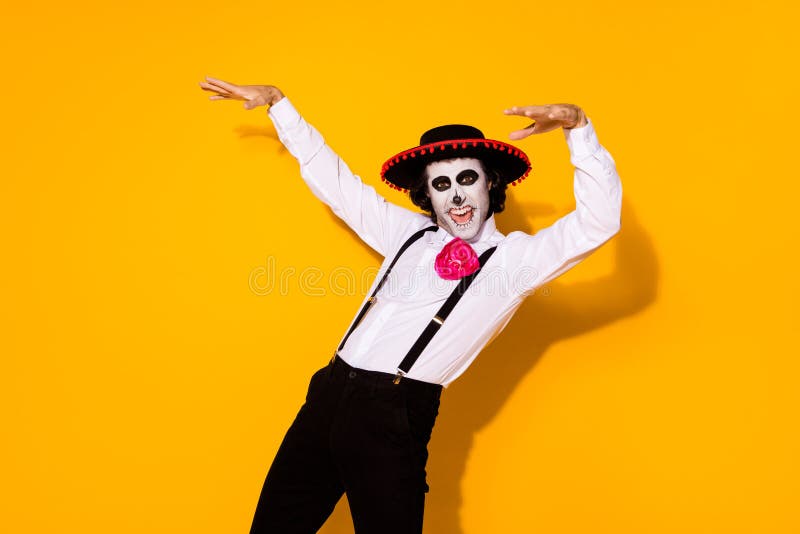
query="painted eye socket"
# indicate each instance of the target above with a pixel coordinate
(441, 183)
(467, 177)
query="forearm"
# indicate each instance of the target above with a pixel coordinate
(301, 139)
(596, 218)
(597, 186)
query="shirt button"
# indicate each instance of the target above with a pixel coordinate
(352, 374)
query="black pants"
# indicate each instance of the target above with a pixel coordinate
(357, 433)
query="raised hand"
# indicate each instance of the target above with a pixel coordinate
(254, 95)
(546, 118)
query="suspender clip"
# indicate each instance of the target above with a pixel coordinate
(398, 377)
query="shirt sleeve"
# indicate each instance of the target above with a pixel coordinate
(380, 224)
(554, 250)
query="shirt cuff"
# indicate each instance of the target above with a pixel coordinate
(582, 141)
(283, 113)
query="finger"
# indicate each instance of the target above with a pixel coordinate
(529, 111)
(516, 135)
(538, 127)
(219, 97)
(519, 134)
(207, 87)
(225, 85)
(212, 87)
(544, 126)
(516, 110)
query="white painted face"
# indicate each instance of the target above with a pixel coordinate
(459, 192)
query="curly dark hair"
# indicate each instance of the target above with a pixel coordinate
(418, 193)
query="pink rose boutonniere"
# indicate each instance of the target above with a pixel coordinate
(456, 260)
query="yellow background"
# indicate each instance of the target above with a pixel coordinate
(145, 385)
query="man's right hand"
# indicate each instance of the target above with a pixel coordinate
(254, 95)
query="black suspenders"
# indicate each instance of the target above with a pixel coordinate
(372, 299)
(438, 319)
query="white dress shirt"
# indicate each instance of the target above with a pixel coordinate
(413, 292)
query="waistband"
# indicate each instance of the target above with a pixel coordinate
(384, 380)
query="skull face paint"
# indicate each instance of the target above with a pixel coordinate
(459, 193)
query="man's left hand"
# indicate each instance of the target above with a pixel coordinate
(546, 118)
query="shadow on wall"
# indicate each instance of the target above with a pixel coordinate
(573, 310)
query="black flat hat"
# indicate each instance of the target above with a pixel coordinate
(455, 141)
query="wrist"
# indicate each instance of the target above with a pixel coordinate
(580, 122)
(273, 95)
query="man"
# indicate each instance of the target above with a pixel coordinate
(449, 283)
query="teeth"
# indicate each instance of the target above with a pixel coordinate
(461, 211)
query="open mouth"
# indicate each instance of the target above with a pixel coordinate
(461, 216)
